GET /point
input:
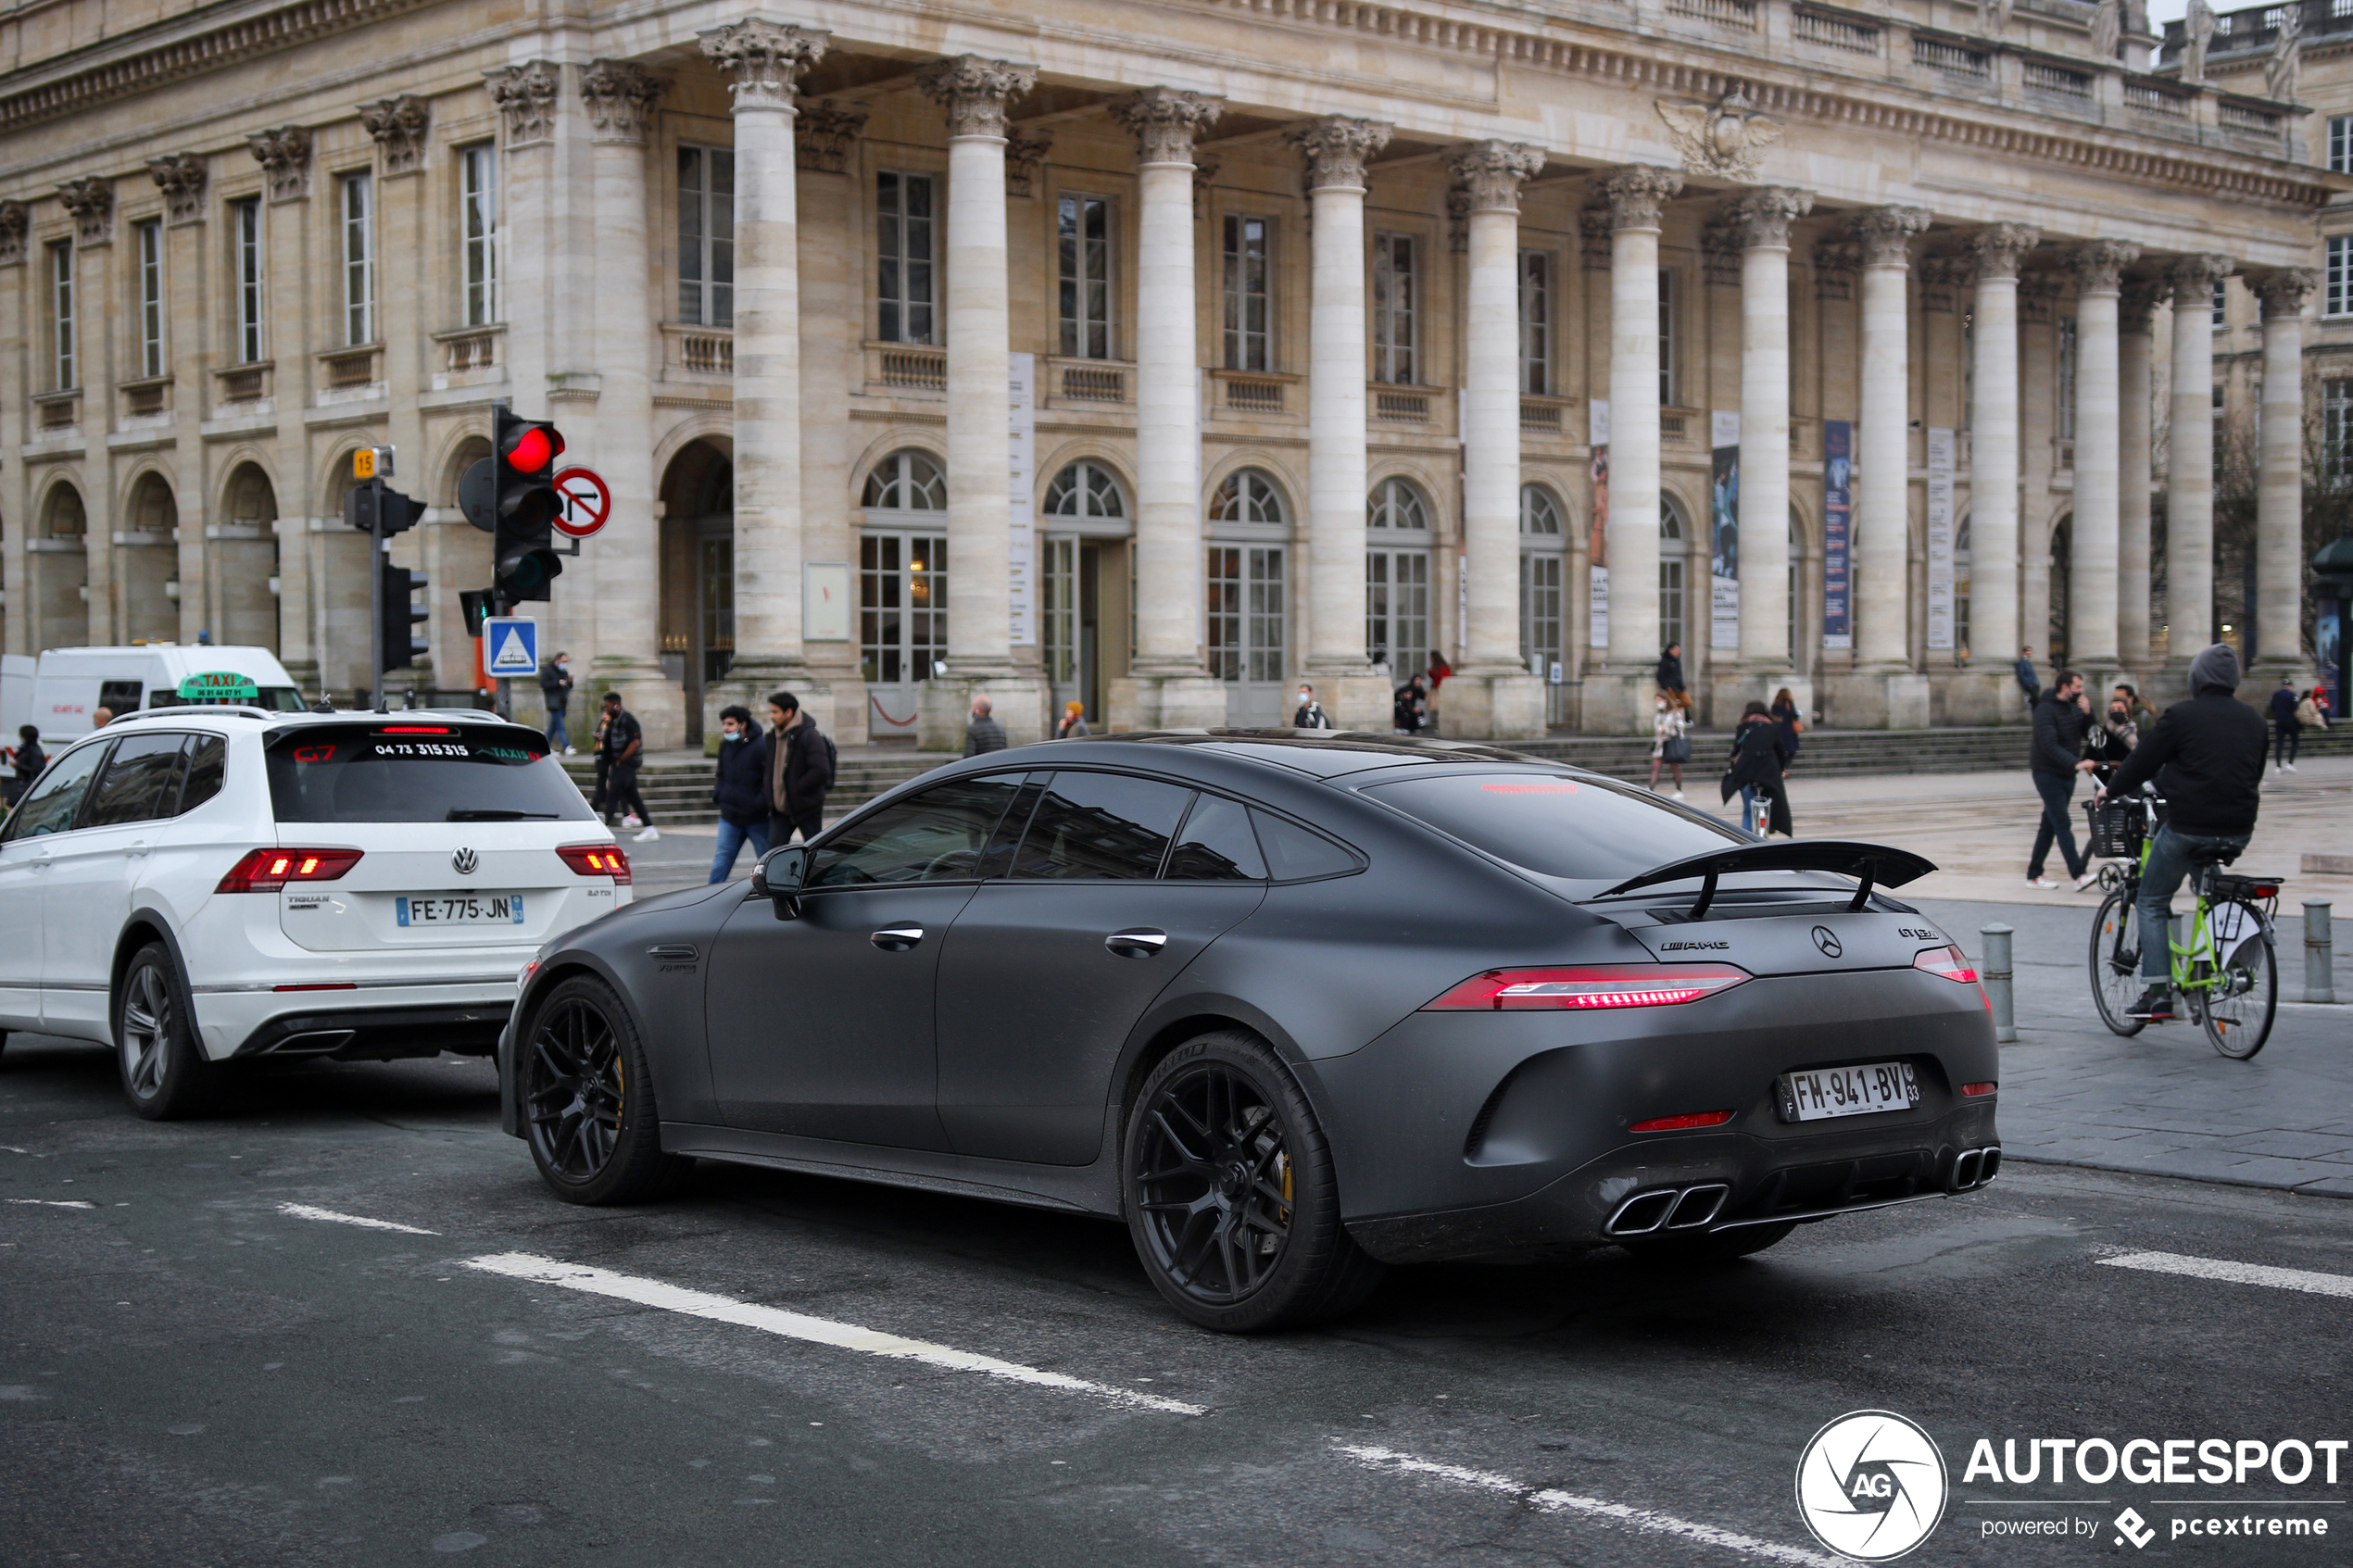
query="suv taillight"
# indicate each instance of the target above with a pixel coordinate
(266, 870)
(1587, 988)
(595, 859)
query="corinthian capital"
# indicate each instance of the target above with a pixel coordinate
(823, 132)
(526, 96)
(2135, 304)
(619, 98)
(1761, 219)
(285, 156)
(1490, 173)
(181, 178)
(2195, 277)
(1999, 247)
(2099, 265)
(91, 200)
(1638, 195)
(398, 125)
(974, 91)
(1336, 148)
(1164, 121)
(1886, 234)
(2283, 290)
(766, 58)
(16, 222)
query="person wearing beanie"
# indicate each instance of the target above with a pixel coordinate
(2205, 756)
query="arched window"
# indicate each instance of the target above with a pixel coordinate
(1672, 568)
(1396, 504)
(1084, 489)
(62, 517)
(907, 481)
(1543, 564)
(1246, 496)
(153, 508)
(1540, 515)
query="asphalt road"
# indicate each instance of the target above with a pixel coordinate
(203, 1363)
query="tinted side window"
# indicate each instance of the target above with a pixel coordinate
(1093, 826)
(119, 697)
(208, 765)
(55, 800)
(1555, 825)
(141, 782)
(1294, 853)
(935, 837)
(1216, 846)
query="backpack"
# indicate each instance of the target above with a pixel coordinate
(833, 757)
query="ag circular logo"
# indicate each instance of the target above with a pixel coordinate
(1826, 940)
(1872, 1486)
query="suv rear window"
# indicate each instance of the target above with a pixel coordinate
(397, 773)
(1586, 829)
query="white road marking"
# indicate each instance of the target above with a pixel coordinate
(56, 1202)
(2234, 1273)
(1552, 1501)
(304, 1212)
(795, 1325)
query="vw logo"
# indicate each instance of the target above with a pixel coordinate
(463, 862)
(1824, 937)
(1872, 1486)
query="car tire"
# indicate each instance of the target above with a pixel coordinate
(587, 1100)
(1227, 1184)
(164, 1072)
(1715, 1247)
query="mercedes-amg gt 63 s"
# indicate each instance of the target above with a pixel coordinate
(1292, 1005)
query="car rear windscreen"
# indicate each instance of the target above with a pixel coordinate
(419, 773)
(1583, 829)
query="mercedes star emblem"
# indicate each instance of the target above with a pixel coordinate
(1824, 937)
(464, 861)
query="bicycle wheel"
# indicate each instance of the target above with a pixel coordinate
(2238, 1009)
(2116, 962)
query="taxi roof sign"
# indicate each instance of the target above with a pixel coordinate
(218, 685)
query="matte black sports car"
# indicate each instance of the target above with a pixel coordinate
(1292, 1005)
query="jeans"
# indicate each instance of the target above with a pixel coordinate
(2056, 789)
(1752, 820)
(732, 837)
(556, 733)
(2169, 862)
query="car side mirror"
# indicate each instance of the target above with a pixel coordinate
(778, 877)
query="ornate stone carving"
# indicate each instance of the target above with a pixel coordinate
(1999, 247)
(1593, 230)
(1719, 253)
(1726, 138)
(16, 222)
(1164, 121)
(91, 200)
(621, 98)
(1336, 148)
(2283, 73)
(2283, 290)
(1941, 279)
(1205, 168)
(2194, 278)
(285, 156)
(766, 58)
(1638, 193)
(181, 177)
(1026, 153)
(2038, 293)
(1493, 172)
(825, 132)
(2107, 29)
(1995, 15)
(2197, 33)
(2135, 303)
(2099, 265)
(526, 98)
(1836, 260)
(1762, 217)
(974, 91)
(398, 125)
(1886, 234)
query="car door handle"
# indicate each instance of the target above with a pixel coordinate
(136, 846)
(1138, 942)
(675, 952)
(897, 938)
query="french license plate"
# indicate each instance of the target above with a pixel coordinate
(1848, 1091)
(459, 909)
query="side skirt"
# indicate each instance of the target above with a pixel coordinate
(1082, 1189)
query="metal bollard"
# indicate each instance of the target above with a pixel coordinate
(1994, 970)
(2319, 953)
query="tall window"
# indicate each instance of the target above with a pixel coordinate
(1543, 539)
(1393, 304)
(1083, 232)
(478, 229)
(1247, 316)
(706, 236)
(2336, 430)
(1536, 321)
(1666, 337)
(2222, 301)
(1670, 577)
(903, 210)
(2067, 378)
(359, 259)
(61, 312)
(147, 251)
(1243, 630)
(2337, 297)
(2341, 144)
(245, 265)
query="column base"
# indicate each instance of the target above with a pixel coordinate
(1620, 702)
(1356, 698)
(1503, 707)
(752, 682)
(1876, 699)
(1163, 702)
(1731, 690)
(1979, 696)
(1017, 702)
(659, 702)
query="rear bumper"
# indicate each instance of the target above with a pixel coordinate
(369, 1022)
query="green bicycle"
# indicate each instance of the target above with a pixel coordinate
(2226, 972)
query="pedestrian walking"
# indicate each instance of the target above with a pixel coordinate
(740, 789)
(2061, 717)
(2029, 680)
(1757, 776)
(1670, 740)
(604, 763)
(1309, 715)
(1670, 673)
(2288, 728)
(28, 760)
(1409, 711)
(623, 749)
(555, 685)
(800, 764)
(1074, 722)
(2110, 741)
(983, 734)
(1791, 723)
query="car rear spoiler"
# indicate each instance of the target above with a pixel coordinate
(1872, 864)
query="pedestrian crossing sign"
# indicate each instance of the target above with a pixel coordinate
(511, 645)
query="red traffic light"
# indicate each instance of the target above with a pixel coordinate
(532, 447)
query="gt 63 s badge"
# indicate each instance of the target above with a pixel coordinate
(1872, 1486)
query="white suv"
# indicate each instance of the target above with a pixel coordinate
(193, 884)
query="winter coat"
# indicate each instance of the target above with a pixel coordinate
(1756, 764)
(2309, 714)
(2058, 734)
(1670, 672)
(982, 737)
(2207, 756)
(1310, 716)
(739, 780)
(2284, 709)
(1667, 723)
(797, 782)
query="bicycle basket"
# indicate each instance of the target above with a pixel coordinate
(2115, 828)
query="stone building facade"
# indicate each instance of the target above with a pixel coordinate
(1154, 357)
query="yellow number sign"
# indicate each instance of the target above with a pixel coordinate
(363, 463)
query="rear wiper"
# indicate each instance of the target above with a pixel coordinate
(492, 814)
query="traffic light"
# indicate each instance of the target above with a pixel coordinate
(363, 503)
(523, 542)
(397, 588)
(474, 603)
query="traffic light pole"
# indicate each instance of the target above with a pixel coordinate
(376, 630)
(506, 698)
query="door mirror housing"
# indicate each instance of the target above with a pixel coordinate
(778, 877)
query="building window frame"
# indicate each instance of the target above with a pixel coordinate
(2222, 318)
(2337, 298)
(706, 234)
(478, 229)
(1535, 309)
(146, 264)
(2341, 144)
(1396, 300)
(356, 209)
(249, 276)
(2336, 430)
(1250, 301)
(906, 257)
(62, 366)
(1670, 383)
(1086, 247)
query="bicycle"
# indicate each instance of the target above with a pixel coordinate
(2227, 972)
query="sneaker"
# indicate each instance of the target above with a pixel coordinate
(650, 835)
(570, 752)
(2290, 765)
(632, 820)
(1677, 796)
(2156, 1005)
(2088, 878)
(2040, 882)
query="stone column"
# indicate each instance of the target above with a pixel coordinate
(19, 286)
(1884, 691)
(2092, 615)
(974, 91)
(1994, 478)
(1167, 687)
(833, 275)
(1334, 150)
(1760, 220)
(2134, 416)
(2279, 504)
(2189, 482)
(1619, 699)
(1493, 695)
(766, 62)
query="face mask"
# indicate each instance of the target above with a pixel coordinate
(1306, 696)
(735, 735)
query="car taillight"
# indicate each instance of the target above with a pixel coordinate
(266, 870)
(594, 859)
(1680, 1124)
(1950, 963)
(1587, 988)
(1978, 1091)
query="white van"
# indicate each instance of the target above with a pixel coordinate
(68, 685)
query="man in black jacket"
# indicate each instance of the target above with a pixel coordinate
(2207, 756)
(739, 788)
(2060, 719)
(799, 772)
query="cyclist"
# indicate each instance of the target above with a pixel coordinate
(2211, 750)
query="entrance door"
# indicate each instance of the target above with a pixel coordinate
(1397, 611)
(902, 621)
(1541, 573)
(1243, 631)
(711, 649)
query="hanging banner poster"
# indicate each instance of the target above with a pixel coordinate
(1838, 481)
(1940, 539)
(1724, 532)
(1021, 496)
(1597, 556)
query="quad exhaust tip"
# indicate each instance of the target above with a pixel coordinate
(1973, 1168)
(1669, 1209)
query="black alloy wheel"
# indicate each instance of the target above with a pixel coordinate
(587, 1100)
(165, 1075)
